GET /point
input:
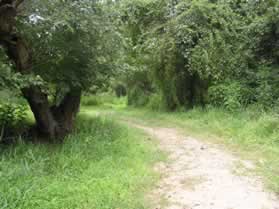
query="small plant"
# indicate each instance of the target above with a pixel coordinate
(11, 115)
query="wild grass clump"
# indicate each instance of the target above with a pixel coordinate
(102, 165)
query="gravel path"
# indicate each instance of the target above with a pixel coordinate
(198, 175)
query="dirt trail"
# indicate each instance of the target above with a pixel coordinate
(198, 175)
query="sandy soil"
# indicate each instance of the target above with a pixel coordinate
(198, 175)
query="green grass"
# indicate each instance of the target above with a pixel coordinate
(102, 165)
(104, 100)
(251, 134)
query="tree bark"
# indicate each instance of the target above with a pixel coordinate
(66, 112)
(50, 122)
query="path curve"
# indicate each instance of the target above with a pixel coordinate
(198, 175)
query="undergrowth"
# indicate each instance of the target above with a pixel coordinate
(105, 99)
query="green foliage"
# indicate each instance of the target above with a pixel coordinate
(102, 165)
(12, 120)
(195, 49)
(156, 102)
(103, 99)
(91, 101)
(189, 46)
(134, 19)
(15, 81)
(139, 87)
(11, 114)
(5, 76)
(75, 50)
(137, 97)
(57, 49)
(266, 85)
(229, 95)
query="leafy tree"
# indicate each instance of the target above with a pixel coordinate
(188, 47)
(62, 45)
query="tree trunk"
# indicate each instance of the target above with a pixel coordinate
(66, 112)
(49, 123)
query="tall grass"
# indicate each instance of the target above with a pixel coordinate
(102, 165)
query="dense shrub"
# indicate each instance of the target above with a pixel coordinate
(156, 102)
(137, 97)
(190, 45)
(11, 114)
(194, 49)
(227, 95)
(12, 117)
(139, 88)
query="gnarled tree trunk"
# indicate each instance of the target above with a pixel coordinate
(51, 122)
(66, 112)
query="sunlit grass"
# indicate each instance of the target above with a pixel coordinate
(102, 165)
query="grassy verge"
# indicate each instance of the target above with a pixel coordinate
(252, 134)
(103, 165)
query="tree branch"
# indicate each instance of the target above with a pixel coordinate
(18, 3)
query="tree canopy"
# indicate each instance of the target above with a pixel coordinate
(201, 52)
(55, 50)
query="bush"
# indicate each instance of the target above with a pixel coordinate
(230, 95)
(12, 115)
(265, 95)
(267, 88)
(139, 88)
(156, 102)
(137, 97)
(12, 118)
(11, 96)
